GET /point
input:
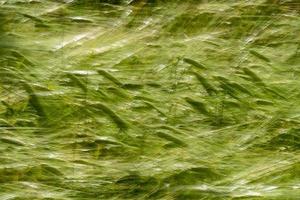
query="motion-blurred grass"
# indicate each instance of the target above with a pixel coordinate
(149, 99)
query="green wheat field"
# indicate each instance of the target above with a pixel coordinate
(149, 99)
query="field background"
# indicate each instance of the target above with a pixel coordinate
(149, 99)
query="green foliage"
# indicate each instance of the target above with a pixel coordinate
(149, 99)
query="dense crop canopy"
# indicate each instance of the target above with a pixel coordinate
(149, 99)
